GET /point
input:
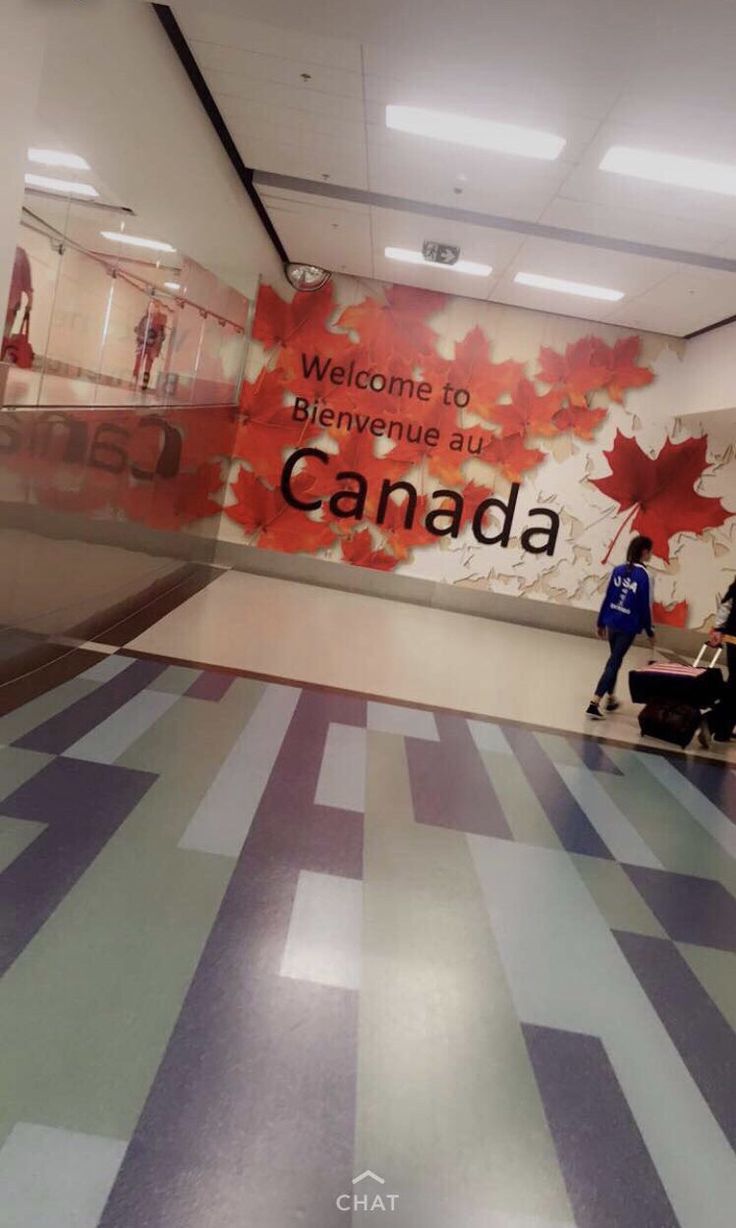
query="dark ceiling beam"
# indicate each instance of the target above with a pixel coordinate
(245, 173)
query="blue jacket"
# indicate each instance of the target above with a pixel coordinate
(627, 603)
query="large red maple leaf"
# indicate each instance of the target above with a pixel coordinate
(674, 615)
(358, 549)
(267, 427)
(625, 370)
(394, 332)
(529, 413)
(473, 370)
(583, 422)
(658, 492)
(279, 526)
(511, 456)
(306, 316)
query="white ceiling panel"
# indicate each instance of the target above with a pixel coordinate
(313, 156)
(303, 89)
(400, 168)
(685, 301)
(257, 99)
(202, 22)
(637, 225)
(251, 67)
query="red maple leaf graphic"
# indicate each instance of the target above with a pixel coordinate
(473, 370)
(590, 364)
(674, 615)
(528, 413)
(267, 427)
(358, 549)
(583, 422)
(511, 456)
(278, 322)
(278, 525)
(394, 332)
(658, 492)
(625, 371)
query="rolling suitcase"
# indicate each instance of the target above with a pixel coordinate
(674, 723)
(696, 685)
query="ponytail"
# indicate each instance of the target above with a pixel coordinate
(637, 547)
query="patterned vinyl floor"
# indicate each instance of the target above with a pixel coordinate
(258, 942)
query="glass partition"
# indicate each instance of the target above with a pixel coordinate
(110, 325)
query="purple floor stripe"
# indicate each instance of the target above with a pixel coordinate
(717, 781)
(61, 731)
(250, 1118)
(610, 1176)
(593, 754)
(704, 1039)
(211, 685)
(691, 909)
(575, 831)
(450, 786)
(83, 805)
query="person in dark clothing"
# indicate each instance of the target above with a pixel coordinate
(150, 334)
(626, 610)
(20, 284)
(718, 724)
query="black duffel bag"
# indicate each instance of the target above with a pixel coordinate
(674, 723)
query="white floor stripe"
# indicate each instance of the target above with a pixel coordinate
(342, 775)
(324, 939)
(617, 832)
(702, 809)
(565, 970)
(411, 722)
(110, 739)
(223, 818)
(489, 737)
(56, 1178)
(103, 671)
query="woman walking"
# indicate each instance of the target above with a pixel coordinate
(625, 612)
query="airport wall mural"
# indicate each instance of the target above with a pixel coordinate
(402, 430)
(419, 434)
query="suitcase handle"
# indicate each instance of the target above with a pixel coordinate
(716, 654)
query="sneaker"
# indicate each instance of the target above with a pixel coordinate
(593, 712)
(613, 704)
(704, 734)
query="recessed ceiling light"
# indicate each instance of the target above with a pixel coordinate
(172, 285)
(460, 266)
(67, 186)
(568, 287)
(119, 236)
(672, 169)
(478, 133)
(55, 157)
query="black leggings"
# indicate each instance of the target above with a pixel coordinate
(620, 642)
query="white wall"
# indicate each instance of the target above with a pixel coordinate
(22, 44)
(711, 371)
(114, 91)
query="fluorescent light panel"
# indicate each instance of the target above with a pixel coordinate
(47, 184)
(475, 132)
(671, 169)
(561, 286)
(460, 266)
(172, 285)
(119, 236)
(55, 157)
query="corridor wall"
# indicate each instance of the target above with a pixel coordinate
(473, 445)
